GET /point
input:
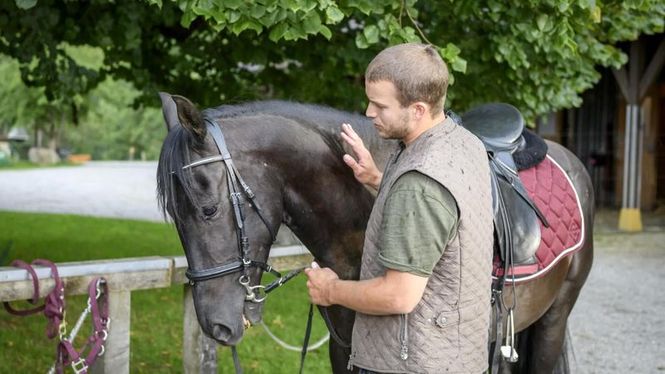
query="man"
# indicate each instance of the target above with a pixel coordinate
(423, 298)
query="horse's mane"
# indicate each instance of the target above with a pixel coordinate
(323, 120)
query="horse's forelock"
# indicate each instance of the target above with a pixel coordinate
(170, 174)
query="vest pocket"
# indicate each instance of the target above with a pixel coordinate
(445, 319)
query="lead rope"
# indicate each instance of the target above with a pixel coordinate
(308, 333)
(236, 360)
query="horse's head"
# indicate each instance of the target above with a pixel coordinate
(225, 237)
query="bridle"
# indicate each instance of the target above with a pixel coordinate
(237, 189)
(257, 293)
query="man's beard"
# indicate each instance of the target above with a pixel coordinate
(400, 132)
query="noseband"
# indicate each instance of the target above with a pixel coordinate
(237, 189)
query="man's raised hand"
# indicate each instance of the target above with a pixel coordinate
(364, 168)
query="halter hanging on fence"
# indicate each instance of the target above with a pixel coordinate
(54, 310)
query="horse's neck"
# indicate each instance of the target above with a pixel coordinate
(328, 210)
(330, 219)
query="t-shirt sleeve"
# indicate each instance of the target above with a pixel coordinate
(419, 219)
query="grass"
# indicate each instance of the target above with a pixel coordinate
(20, 165)
(156, 318)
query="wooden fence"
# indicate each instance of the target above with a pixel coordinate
(124, 276)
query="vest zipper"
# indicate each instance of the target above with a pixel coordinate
(349, 365)
(404, 337)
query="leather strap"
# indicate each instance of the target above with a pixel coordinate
(236, 360)
(331, 328)
(308, 333)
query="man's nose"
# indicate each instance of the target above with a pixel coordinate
(370, 112)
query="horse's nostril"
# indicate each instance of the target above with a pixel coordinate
(221, 333)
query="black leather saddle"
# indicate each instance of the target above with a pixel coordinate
(501, 129)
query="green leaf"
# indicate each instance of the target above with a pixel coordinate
(450, 52)
(365, 6)
(596, 14)
(309, 5)
(293, 5)
(361, 41)
(233, 16)
(371, 34)
(26, 4)
(325, 31)
(312, 23)
(459, 64)
(187, 18)
(333, 15)
(541, 21)
(563, 5)
(230, 4)
(278, 31)
(257, 11)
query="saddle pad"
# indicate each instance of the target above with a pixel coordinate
(552, 191)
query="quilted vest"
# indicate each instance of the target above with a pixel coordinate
(447, 332)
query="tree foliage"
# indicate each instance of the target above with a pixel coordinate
(107, 126)
(536, 54)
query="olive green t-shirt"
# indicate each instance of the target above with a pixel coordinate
(420, 217)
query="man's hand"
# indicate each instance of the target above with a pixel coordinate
(364, 169)
(319, 284)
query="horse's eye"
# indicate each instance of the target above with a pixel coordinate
(209, 210)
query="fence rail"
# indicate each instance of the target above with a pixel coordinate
(124, 276)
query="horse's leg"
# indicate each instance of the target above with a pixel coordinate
(547, 335)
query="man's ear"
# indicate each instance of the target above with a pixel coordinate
(420, 110)
(189, 117)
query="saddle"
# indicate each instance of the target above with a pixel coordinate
(510, 148)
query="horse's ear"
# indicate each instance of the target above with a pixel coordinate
(169, 110)
(178, 109)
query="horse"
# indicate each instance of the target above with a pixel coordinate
(281, 163)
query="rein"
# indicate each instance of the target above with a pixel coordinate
(54, 310)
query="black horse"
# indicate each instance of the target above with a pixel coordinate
(291, 156)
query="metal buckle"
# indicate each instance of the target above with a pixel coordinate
(79, 366)
(62, 328)
(104, 336)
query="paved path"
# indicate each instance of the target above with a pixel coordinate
(617, 326)
(103, 189)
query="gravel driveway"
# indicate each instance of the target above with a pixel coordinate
(617, 326)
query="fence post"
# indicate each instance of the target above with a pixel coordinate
(116, 355)
(199, 351)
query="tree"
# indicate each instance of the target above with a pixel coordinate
(536, 54)
(28, 107)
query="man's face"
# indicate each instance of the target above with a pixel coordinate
(391, 120)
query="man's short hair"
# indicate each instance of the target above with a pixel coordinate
(416, 70)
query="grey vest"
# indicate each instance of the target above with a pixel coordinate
(447, 332)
